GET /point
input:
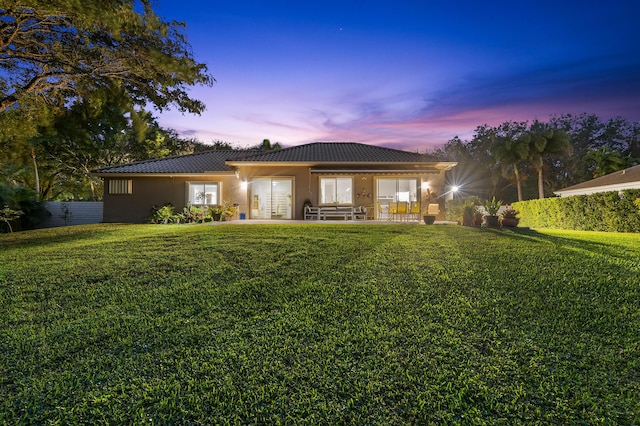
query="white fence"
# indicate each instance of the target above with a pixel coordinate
(72, 213)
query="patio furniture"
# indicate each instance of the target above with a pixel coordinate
(337, 212)
(393, 210)
(415, 210)
(311, 213)
(360, 213)
(402, 210)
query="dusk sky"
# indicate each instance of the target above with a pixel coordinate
(403, 74)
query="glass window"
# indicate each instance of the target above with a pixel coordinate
(336, 190)
(204, 193)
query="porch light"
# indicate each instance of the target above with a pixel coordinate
(244, 185)
(425, 185)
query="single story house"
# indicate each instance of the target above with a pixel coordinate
(617, 181)
(275, 184)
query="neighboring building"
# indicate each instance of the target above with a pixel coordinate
(616, 181)
(273, 184)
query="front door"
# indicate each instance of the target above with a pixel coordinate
(271, 198)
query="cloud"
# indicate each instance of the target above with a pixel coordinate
(570, 85)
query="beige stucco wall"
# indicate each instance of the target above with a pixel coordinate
(306, 184)
(150, 191)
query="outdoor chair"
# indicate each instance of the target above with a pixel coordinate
(402, 209)
(415, 210)
(393, 210)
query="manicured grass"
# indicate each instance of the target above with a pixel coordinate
(318, 324)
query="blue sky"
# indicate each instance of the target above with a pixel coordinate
(403, 74)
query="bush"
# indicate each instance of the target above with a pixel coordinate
(611, 211)
(19, 198)
(162, 214)
(454, 210)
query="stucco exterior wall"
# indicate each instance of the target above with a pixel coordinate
(150, 191)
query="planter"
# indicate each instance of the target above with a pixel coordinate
(490, 221)
(216, 216)
(509, 222)
(467, 219)
(429, 219)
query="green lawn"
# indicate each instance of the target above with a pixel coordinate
(318, 324)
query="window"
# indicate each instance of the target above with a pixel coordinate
(120, 186)
(204, 193)
(336, 190)
(394, 189)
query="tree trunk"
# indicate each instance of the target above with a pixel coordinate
(540, 184)
(518, 183)
(35, 170)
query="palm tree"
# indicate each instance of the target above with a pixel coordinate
(268, 146)
(544, 142)
(605, 160)
(510, 149)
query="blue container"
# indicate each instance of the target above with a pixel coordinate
(243, 216)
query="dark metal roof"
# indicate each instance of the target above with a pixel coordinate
(314, 153)
(199, 162)
(335, 152)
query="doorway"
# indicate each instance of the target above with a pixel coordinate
(271, 198)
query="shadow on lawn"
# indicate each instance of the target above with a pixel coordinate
(611, 249)
(64, 234)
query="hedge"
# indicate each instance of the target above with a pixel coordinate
(604, 211)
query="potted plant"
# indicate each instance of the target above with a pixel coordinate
(307, 203)
(491, 219)
(230, 210)
(508, 217)
(217, 212)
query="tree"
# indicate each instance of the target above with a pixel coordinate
(96, 132)
(510, 149)
(57, 52)
(266, 145)
(603, 161)
(544, 142)
(589, 132)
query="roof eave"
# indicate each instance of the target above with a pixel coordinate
(448, 165)
(592, 189)
(133, 174)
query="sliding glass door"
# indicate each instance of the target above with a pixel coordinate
(393, 190)
(271, 198)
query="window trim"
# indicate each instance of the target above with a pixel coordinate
(335, 178)
(204, 183)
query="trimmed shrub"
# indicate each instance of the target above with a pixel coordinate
(611, 211)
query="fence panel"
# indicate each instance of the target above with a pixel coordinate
(72, 213)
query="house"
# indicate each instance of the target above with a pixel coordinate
(274, 184)
(616, 181)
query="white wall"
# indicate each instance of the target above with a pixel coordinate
(72, 213)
